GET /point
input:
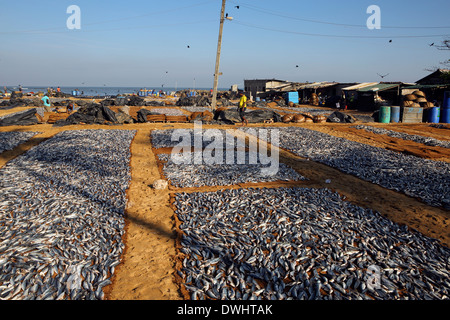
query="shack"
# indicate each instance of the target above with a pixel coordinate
(319, 88)
(433, 92)
(440, 76)
(327, 92)
(433, 85)
(351, 93)
(370, 96)
(262, 87)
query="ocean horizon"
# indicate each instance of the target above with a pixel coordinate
(103, 91)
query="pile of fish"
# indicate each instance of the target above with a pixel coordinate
(186, 175)
(416, 177)
(10, 140)
(62, 215)
(405, 136)
(204, 168)
(196, 109)
(167, 111)
(185, 138)
(300, 243)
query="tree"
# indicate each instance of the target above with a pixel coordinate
(445, 45)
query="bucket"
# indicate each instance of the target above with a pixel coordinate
(433, 114)
(395, 114)
(385, 115)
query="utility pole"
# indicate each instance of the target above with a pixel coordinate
(219, 45)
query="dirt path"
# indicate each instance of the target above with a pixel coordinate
(147, 271)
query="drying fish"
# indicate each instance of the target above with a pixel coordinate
(425, 179)
(326, 250)
(62, 215)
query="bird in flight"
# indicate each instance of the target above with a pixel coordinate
(431, 44)
(188, 47)
(382, 77)
(296, 66)
(390, 41)
(236, 7)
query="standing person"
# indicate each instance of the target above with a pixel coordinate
(352, 100)
(242, 107)
(46, 100)
(58, 89)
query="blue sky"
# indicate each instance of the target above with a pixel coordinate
(144, 43)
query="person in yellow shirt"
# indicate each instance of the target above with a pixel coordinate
(242, 108)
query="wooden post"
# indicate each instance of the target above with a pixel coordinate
(219, 44)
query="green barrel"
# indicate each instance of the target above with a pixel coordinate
(385, 115)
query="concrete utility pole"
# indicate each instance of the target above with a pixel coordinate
(219, 45)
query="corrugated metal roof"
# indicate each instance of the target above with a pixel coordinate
(318, 85)
(291, 86)
(324, 85)
(360, 85)
(306, 85)
(379, 87)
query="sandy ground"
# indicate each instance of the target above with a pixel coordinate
(148, 268)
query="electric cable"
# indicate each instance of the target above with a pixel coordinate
(274, 13)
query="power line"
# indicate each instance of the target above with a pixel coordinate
(118, 29)
(339, 36)
(58, 29)
(274, 13)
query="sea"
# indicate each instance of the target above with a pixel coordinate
(103, 91)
